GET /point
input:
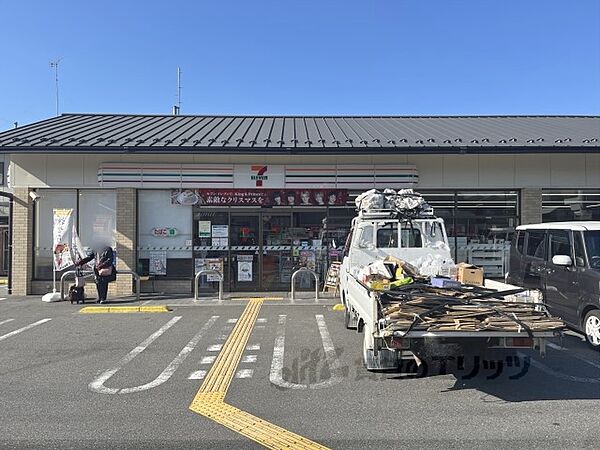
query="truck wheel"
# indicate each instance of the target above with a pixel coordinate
(591, 326)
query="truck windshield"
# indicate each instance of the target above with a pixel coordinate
(592, 244)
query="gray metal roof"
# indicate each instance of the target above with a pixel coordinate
(325, 134)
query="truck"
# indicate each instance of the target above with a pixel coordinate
(390, 230)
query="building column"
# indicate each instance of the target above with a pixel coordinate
(531, 206)
(22, 242)
(126, 240)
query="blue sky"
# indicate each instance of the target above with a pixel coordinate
(372, 57)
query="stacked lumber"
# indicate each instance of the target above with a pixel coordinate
(426, 308)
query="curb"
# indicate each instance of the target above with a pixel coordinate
(122, 309)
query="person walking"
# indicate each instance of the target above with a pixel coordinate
(104, 270)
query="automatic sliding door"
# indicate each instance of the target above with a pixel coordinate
(244, 235)
(277, 260)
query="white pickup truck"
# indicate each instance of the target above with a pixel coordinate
(422, 242)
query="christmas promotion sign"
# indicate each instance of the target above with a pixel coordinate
(60, 231)
(260, 197)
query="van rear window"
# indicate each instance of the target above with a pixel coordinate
(536, 243)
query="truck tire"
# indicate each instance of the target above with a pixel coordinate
(591, 328)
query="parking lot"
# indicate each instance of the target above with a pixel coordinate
(69, 379)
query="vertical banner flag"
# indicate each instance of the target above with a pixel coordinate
(62, 254)
(76, 244)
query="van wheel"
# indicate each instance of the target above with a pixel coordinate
(591, 326)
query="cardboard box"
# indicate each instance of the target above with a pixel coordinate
(470, 274)
(445, 283)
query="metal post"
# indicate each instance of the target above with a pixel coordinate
(314, 274)
(64, 275)
(91, 274)
(208, 272)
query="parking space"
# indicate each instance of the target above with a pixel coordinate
(129, 379)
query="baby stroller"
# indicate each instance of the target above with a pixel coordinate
(76, 291)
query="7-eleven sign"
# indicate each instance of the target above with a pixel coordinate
(258, 176)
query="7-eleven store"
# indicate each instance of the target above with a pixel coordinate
(257, 197)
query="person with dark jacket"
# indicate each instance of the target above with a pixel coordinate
(104, 269)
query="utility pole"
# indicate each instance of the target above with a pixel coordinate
(54, 65)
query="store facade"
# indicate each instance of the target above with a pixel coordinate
(175, 194)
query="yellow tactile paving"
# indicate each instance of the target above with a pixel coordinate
(210, 398)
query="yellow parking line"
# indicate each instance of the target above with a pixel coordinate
(210, 398)
(122, 309)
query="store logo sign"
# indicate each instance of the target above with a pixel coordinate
(259, 175)
(164, 232)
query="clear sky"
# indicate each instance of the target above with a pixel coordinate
(372, 57)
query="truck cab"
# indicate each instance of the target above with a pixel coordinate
(422, 242)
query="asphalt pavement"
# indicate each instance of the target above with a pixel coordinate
(74, 380)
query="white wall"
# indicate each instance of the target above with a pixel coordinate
(435, 171)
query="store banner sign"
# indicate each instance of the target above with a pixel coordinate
(260, 197)
(259, 176)
(61, 238)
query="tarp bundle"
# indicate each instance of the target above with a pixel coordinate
(405, 202)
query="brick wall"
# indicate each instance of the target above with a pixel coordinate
(126, 241)
(531, 206)
(22, 242)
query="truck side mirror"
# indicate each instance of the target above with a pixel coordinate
(562, 260)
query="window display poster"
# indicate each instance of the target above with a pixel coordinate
(220, 231)
(204, 228)
(209, 263)
(220, 242)
(158, 263)
(244, 267)
(308, 259)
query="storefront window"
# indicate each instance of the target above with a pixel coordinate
(480, 225)
(94, 214)
(570, 204)
(44, 219)
(164, 236)
(97, 217)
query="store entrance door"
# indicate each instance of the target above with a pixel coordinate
(244, 236)
(276, 252)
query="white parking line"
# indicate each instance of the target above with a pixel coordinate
(20, 330)
(244, 373)
(197, 375)
(253, 347)
(249, 358)
(2, 298)
(574, 355)
(232, 320)
(276, 374)
(208, 359)
(215, 348)
(6, 321)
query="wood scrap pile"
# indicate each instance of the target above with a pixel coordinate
(426, 308)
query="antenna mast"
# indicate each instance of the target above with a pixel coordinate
(177, 107)
(54, 65)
